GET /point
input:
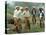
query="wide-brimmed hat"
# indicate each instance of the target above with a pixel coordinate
(26, 8)
(21, 7)
(16, 7)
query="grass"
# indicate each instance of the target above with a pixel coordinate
(33, 28)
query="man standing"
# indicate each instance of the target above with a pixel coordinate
(26, 16)
(34, 15)
(41, 14)
(21, 17)
(16, 21)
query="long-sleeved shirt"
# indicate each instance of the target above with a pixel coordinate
(16, 13)
(27, 14)
(21, 15)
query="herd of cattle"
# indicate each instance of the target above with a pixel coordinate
(21, 18)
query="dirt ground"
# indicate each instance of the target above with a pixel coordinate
(33, 27)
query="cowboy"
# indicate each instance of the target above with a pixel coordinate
(41, 14)
(34, 15)
(26, 16)
(16, 21)
(21, 16)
